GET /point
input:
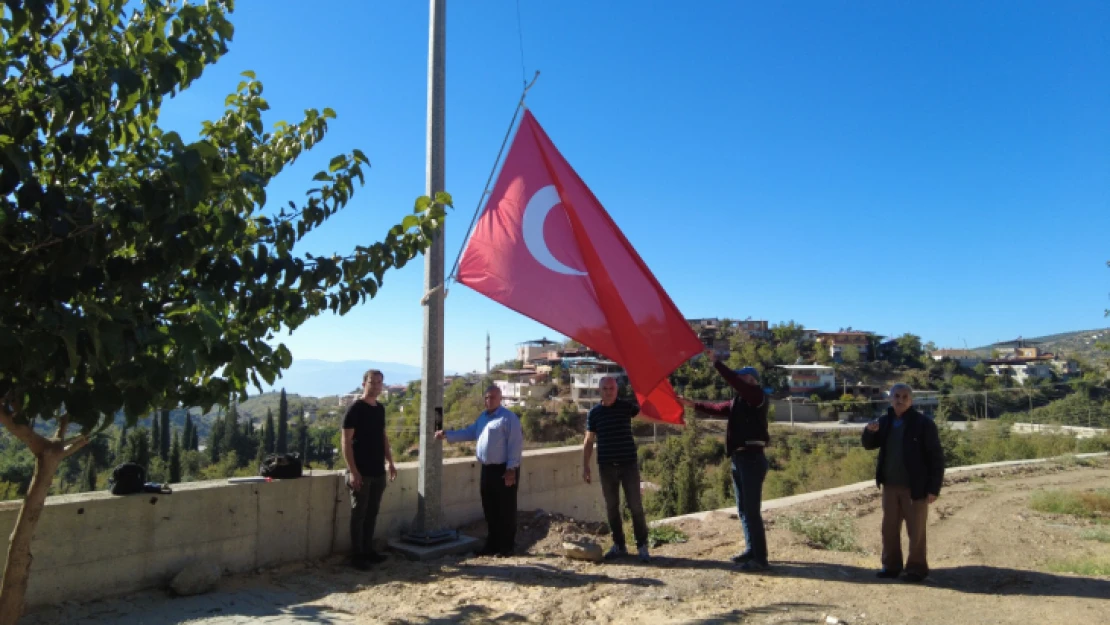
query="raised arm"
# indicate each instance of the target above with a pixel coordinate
(714, 408)
(751, 393)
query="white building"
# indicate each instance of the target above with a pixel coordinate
(585, 380)
(964, 357)
(805, 380)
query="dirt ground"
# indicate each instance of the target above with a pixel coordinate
(991, 556)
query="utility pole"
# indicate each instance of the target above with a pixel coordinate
(487, 354)
(428, 527)
(986, 413)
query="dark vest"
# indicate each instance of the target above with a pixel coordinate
(746, 423)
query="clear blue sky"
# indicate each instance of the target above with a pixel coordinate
(936, 168)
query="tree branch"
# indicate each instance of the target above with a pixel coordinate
(74, 445)
(35, 441)
(63, 424)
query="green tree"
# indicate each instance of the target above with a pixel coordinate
(283, 424)
(89, 481)
(164, 438)
(850, 354)
(268, 433)
(138, 270)
(299, 430)
(216, 439)
(175, 460)
(187, 435)
(155, 432)
(138, 448)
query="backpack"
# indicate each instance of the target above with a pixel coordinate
(127, 479)
(281, 466)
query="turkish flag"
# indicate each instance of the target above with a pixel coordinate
(546, 248)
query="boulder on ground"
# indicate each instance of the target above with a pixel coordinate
(582, 549)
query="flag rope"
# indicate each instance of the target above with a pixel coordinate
(485, 192)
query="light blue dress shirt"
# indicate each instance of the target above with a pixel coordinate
(499, 435)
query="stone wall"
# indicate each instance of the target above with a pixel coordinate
(95, 544)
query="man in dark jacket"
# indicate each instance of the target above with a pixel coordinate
(745, 439)
(910, 470)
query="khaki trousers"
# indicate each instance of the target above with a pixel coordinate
(898, 507)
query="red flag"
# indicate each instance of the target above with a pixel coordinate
(546, 248)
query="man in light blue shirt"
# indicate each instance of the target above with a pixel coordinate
(500, 447)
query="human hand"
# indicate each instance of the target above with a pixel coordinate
(354, 480)
(873, 426)
(931, 499)
(510, 477)
(392, 472)
(686, 402)
(586, 473)
(711, 355)
(439, 435)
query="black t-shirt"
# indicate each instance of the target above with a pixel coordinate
(368, 422)
(613, 427)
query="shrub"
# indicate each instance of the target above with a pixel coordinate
(834, 531)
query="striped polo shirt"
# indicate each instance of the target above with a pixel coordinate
(612, 425)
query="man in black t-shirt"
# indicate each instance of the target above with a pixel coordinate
(366, 450)
(610, 424)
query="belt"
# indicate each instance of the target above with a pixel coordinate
(751, 446)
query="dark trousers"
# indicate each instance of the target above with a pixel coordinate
(748, 472)
(499, 507)
(613, 478)
(898, 507)
(365, 503)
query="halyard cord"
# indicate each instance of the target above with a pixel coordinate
(482, 198)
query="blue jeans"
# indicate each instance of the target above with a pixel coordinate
(748, 472)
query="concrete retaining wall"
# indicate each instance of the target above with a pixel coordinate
(91, 545)
(1078, 431)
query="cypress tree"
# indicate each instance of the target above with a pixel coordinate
(138, 448)
(215, 439)
(175, 459)
(187, 436)
(90, 473)
(120, 454)
(297, 444)
(283, 424)
(231, 436)
(164, 441)
(268, 439)
(156, 433)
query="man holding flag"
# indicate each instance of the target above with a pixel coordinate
(745, 439)
(610, 424)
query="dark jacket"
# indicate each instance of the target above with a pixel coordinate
(921, 450)
(746, 413)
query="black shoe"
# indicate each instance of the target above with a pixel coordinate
(914, 578)
(505, 554)
(487, 551)
(360, 564)
(754, 566)
(741, 558)
(885, 574)
(374, 558)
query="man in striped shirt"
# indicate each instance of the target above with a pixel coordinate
(610, 424)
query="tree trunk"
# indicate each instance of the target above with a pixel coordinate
(13, 588)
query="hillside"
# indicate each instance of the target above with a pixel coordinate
(1082, 344)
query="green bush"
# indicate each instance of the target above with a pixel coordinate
(1090, 505)
(834, 531)
(665, 534)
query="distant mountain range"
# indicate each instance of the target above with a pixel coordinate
(1082, 344)
(320, 378)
